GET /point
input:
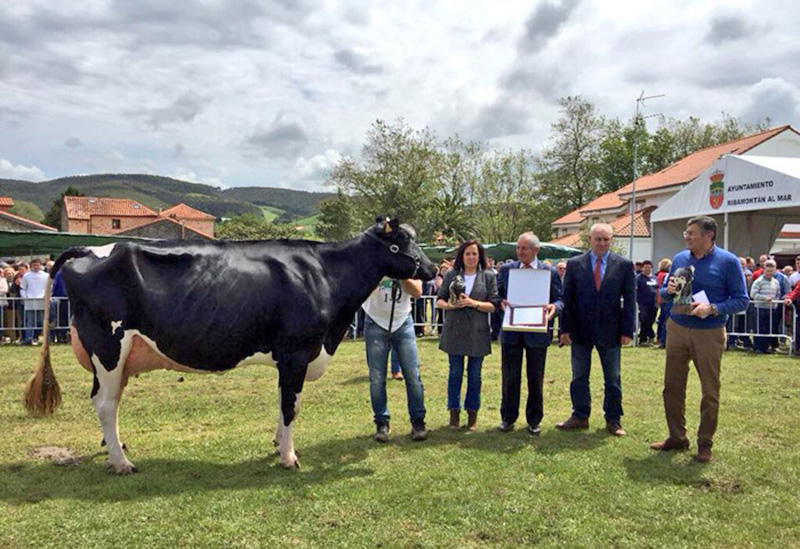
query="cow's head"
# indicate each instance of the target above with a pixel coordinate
(404, 259)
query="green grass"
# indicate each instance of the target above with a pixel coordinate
(208, 476)
(271, 212)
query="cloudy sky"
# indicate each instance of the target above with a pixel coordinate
(272, 93)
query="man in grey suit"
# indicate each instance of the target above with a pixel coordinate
(533, 345)
(599, 312)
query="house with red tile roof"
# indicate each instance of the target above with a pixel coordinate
(95, 215)
(654, 189)
(12, 222)
(192, 218)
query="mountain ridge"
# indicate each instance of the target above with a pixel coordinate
(156, 192)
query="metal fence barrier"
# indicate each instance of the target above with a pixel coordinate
(760, 327)
(768, 324)
(13, 325)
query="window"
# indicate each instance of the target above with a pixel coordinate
(115, 224)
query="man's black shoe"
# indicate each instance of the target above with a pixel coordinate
(534, 430)
(505, 427)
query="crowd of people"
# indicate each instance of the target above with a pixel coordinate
(22, 288)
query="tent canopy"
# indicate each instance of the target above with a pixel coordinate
(757, 195)
(502, 251)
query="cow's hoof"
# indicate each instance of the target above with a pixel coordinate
(126, 468)
(291, 462)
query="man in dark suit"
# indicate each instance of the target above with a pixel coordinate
(599, 312)
(534, 345)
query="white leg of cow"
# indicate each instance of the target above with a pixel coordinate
(106, 404)
(288, 455)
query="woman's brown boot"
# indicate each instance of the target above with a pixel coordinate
(455, 418)
(472, 420)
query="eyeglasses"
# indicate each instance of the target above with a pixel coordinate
(687, 234)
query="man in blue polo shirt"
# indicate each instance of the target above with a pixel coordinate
(700, 335)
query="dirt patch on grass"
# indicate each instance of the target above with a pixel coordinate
(58, 455)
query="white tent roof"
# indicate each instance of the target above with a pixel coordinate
(749, 183)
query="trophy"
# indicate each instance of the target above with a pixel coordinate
(457, 287)
(682, 298)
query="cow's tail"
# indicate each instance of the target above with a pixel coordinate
(42, 393)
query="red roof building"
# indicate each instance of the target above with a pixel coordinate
(85, 214)
(654, 189)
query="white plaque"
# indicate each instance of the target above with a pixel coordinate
(528, 297)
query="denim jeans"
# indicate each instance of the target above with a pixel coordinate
(579, 387)
(472, 401)
(33, 319)
(404, 342)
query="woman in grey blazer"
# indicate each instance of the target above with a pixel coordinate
(467, 331)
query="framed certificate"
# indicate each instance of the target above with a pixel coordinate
(528, 297)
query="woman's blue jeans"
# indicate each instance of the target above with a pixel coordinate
(404, 343)
(472, 401)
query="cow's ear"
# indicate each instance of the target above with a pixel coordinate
(412, 234)
(394, 224)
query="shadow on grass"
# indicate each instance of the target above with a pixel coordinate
(333, 461)
(27, 482)
(666, 468)
(357, 380)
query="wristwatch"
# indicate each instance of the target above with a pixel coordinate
(714, 310)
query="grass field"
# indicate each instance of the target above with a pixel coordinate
(208, 476)
(271, 212)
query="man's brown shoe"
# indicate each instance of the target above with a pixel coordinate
(703, 455)
(615, 429)
(670, 444)
(573, 423)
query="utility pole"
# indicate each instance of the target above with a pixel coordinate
(639, 101)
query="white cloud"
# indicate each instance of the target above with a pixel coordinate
(316, 167)
(24, 173)
(251, 91)
(188, 175)
(774, 98)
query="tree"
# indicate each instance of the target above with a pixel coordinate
(506, 198)
(571, 165)
(28, 210)
(452, 212)
(335, 218)
(252, 227)
(53, 215)
(396, 174)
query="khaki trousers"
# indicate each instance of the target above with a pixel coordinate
(704, 348)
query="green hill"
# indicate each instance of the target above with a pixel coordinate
(162, 192)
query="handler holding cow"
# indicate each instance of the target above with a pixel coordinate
(287, 303)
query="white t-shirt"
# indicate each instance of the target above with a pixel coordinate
(33, 285)
(379, 305)
(469, 282)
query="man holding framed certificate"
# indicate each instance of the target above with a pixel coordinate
(531, 297)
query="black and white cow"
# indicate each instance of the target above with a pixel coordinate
(212, 306)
